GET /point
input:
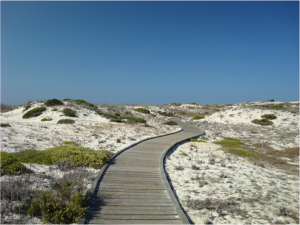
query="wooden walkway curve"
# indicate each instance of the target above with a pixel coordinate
(133, 187)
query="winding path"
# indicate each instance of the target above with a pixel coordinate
(133, 188)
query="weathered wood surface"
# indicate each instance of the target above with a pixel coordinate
(134, 189)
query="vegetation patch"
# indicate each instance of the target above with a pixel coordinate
(165, 114)
(11, 165)
(6, 108)
(136, 120)
(53, 102)
(77, 156)
(277, 106)
(241, 152)
(34, 112)
(85, 104)
(69, 112)
(46, 119)
(5, 125)
(66, 121)
(116, 120)
(60, 206)
(142, 110)
(198, 117)
(269, 116)
(229, 142)
(263, 122)
(171, 123)
(195, 140)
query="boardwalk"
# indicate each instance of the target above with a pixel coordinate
(134, 188)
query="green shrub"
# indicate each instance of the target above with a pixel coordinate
(10, 164)
(229, 142)
(142, 110)
(54, 109)
(34, 112)
(128, 113)
(263, 122)
(5, 125)
(269, 116)
(241, 152)
(85, 104)
(54, 209)
(46, 119)
(53, 102)
(136, 120)
(195, 140)
(171, 123)
(198, 117)
(277, 106)
(69, 112)
(109, 116)
(116, 120)
(76, 155)
(165, 114)
(66, 121)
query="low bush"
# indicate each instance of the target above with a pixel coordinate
(165, 114)
(142, 110)
(78, 156)
(34, 112)
(241, 152)
(263, 122)
(171, 123)
(53, 102)
(128, 113)
(136, 120)
(229, 142)
(62, 206)
(65, 121)
(269, 116)
(46, 119)
(116, 120)
(11, 165)
(85, 104)
(277, 106)
(5, 125)
(198, 117)
(195, 140)
(69, 112)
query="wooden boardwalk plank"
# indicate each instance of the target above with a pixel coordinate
(134, 189)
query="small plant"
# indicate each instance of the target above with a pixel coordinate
(85, 104)
(165, 114)
(263, 122)
(277, 106)
(5, 125)
(195, 167)
(69, 112)
(34, 112)
(66, 121)
(142, 110)
(171, 123)
(68, 142)
(269, 116)
(116, 120)
(128, 113)
(229, 142)
(195, 140)
(53, 102)
(241, 152)
(11, 165)
(198, 117)
(55, 109)
(136, 120)
(46, 119)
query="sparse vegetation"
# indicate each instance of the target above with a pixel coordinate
(53, 102)
(142, 110)
(85, 104)
(116, 120)
(241, 152)
(277, 106)
(66, 121)
(34, 112)
(11, 165)
(78, 156)
(46, 119)
(263, 122)
(5, 125)
(229, 142)
(136, 120)
(198, 117)
(165, 114)
(69, 112)
(269, 116)
(171, 123)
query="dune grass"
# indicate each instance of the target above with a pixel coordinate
(5, 125)
(241, 152)
(171, 123)
(34, 112)
(85, 104)
(66, 121)
(198, 117)
(46, 119)
(142, 110)
(269, 116)
(263, 122)
(229, 142)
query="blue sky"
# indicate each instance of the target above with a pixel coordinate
(150, 52)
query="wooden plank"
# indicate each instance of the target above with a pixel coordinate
(136, 217)
(135, 212)
(105, 221)
(136, 208)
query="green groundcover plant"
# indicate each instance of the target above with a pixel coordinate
(34, 112)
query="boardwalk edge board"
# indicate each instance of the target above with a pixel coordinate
(94, 189)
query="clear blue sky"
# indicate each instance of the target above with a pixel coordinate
(150, 52)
